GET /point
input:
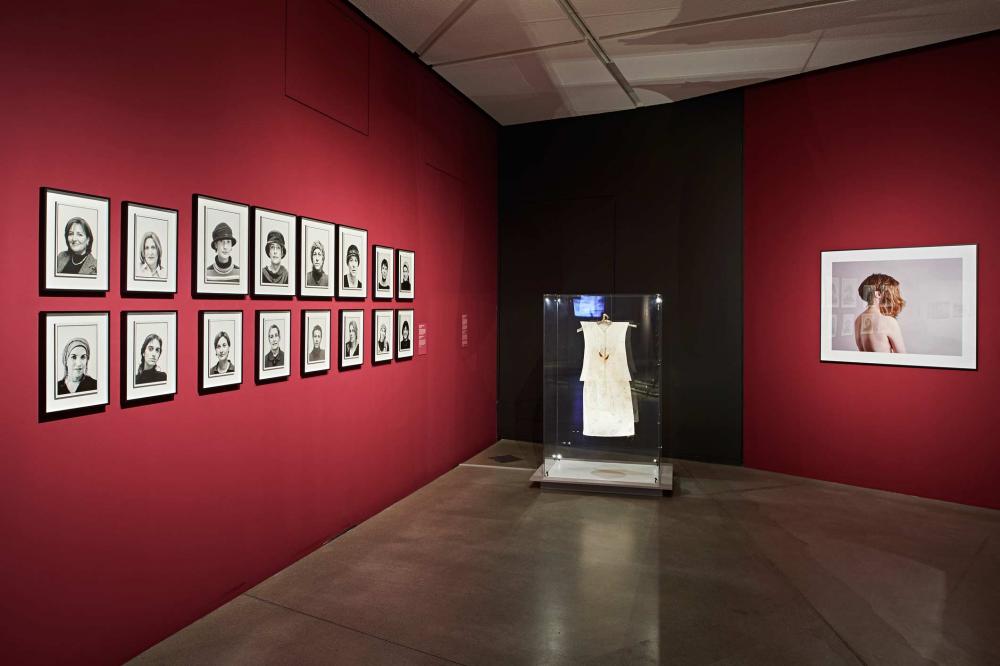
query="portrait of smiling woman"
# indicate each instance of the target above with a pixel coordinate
(75, 358)
(150, 258)
(148, 243)
(77, 259)
(221, 349)
(223, 346)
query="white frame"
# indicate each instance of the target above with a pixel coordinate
(405, 316)
(402, 255)
(131, 320)
(263, 220)
(203, 205)
(380, 253)
(131, 212)
(968, 254)
(307, 225)
(342, 247)
(97, 364)
(265, 319)
(206, 354)
(311, 318)
(347, 316)
(94, 210)
(379, 316)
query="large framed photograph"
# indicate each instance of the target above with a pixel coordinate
(149, 355)
(274, 252)
(901, 306)
(220, 246)
(315, 341)
(75, 250)
(352, 346)
(353, 262)
(404, 259)
(149, 248)
(220, 349)
(274, 328)
(383, 273)
(404, 334)
(73, 361)
(383, 334)
(317, 240)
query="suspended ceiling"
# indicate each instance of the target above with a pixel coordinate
(528, 60)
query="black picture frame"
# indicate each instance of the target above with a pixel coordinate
(317, 292)
(125, 366)
(52, 285)
(306, 335)
(399, 317)
(235, 350)
(128, 241)
(91, 407)
(263, 374)
(400, 294)
(241, 289)
(345, 293)
(376, 264)
(392, 338)
(359, 316)
(260, 291)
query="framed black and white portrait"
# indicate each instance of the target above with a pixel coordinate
(383, 273)
(318, 257)
(220, 350)
(383, 334)
(74, 361)
(75, 250)
(149, 246)
(274, 253)
(315, 341)
(274, 329)
(149, 355)
(220, 242)
(352, 346)
(404, 261)
(404, 334)
(353, 262)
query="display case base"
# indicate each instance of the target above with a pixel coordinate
(606, 477)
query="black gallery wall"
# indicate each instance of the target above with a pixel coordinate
(643, 201)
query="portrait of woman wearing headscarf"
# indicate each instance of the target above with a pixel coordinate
(75, 357)
(77, 259)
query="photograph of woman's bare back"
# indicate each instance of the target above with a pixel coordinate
(901, 306)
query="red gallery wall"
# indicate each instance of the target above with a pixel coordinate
(121, 527)
(897, 152)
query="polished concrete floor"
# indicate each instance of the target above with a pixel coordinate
(738, 567)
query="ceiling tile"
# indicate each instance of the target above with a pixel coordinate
(500, 26)
(605, 17)
(906, 28)
(409, 24)
(553, 83)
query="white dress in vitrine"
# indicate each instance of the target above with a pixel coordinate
(607, 392)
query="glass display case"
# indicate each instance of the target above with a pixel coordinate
(602, 378)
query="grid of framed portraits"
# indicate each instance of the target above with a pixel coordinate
(352, 332)
(382, 273)
(353, 262)
(404, 334)
(383, 333)
(407, 274)
(74, 358)
(315, 341)
(236, 250)
(220, 350)
(75, 248)
(274, 253)
(149, 248)
(317, 240)
(149, 355)
(273, 330)
(900, 306)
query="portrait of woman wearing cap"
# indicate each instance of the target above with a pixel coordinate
(223, 268)
(352, 280)
(317, 277)
(275, 251)
(353, 262)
